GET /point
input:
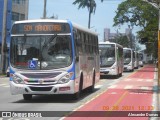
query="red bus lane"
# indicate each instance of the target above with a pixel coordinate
(123, 101)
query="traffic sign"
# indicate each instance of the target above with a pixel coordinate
(32, 64)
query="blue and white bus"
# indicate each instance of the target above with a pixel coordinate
(111, 59)
(52, 57)
(128, 59)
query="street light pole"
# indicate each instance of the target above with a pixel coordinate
(159, 49)
(129, 36)
(4, 45)
(44, 10)
(156, 4)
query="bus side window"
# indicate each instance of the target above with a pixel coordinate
(75, 40)
(83, 43)
(78, 45)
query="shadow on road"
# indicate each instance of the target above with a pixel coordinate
(64, 98)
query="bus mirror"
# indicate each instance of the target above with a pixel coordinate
(76, 58)
(100, 52)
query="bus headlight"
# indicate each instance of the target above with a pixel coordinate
(65, 78)
(17, 80)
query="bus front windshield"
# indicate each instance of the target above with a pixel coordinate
(107, 55)
(127, 56)
(45, 52)
(140, 57)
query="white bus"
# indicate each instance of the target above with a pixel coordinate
(52, 57)
(128, 59)
(111, 58)
(136, 61)
(140, 58)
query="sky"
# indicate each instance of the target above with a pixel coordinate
(64, 9)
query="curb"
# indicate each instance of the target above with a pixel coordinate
(157, 90)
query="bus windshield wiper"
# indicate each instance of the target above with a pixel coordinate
(50, 40)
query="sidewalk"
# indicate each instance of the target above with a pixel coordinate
(138, 93)
(2, 75)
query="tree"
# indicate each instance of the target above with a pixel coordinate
(90, 4)
(138, 13)
(122, 40)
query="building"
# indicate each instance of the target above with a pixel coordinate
(20, 10)
(108, 36)
(16, 10)
(8, 20)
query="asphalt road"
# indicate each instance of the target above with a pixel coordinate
(10, 102)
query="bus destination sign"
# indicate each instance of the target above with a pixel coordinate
(40, 28)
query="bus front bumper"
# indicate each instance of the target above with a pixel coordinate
(128, 68)
(66, 88)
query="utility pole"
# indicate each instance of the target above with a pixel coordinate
(4, 45)
(129, 35)
(44, 10)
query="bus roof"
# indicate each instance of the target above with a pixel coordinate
(83, 28)
(40, 20)
(108, 42)
(127, 48)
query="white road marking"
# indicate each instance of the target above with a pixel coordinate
(128, 87)
(113, 93)
(98, 86)
(149, 80)
(145, 88)
(140, 80)
(6, 86)
(113, 86)
(127, 79)
(2, 84)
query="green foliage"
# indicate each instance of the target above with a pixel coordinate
(138, 13)
(90, 4)
(122, 40)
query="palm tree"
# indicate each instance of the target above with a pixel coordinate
(90, 4)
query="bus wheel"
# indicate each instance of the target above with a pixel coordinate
(76, 96)
(91, 88)
(120, 75)
(27, 96)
